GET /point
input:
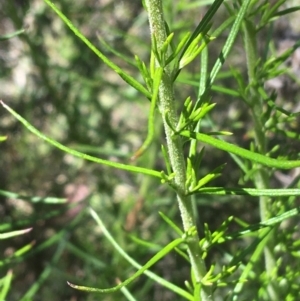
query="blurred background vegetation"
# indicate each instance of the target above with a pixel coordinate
(52, 79)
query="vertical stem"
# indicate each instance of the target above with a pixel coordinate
(261, 177)
(174, 144)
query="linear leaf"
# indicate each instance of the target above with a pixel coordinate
(231, 148)
(127, 78)
(68, 150)
(168, 248)
(248, 191)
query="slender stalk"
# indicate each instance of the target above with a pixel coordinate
(174, 144)
(261, 177)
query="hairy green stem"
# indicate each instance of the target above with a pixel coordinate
(261, 177)
(174, 143)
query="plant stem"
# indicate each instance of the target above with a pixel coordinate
(261, 177)
(174, 143)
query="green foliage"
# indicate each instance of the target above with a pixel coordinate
(247, 250)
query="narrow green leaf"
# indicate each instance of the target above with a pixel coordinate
(18, 253)
(266, 224)
(68, 150)
(150, 246)
(178, 48)
(190, 174)
(229, 42)
(167, 249)
(166, 159)
(151, 125)
(127, 78)
(257, 247)
(166, 44)
(162, 253)
(287, 11)
(6, 283)
(156, 53)
(33, 199)
(289, 134)
(223, 26)
(272, 104)
(152, 66)
(244, 153)
(184, 115)
(219, 133)
(202, 111)
(171, 223)
(194, 50)
(114, 51)
(284, 192)
(207, 178)
(273, 63)
(127, 294)
(12, 35)
(144, 72)
(203, 25)
(36, 286)
(84, 255)
(177, 290)
(14, 233)
(224, 90)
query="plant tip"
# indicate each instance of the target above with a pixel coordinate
(3, 104)
(70, 284)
